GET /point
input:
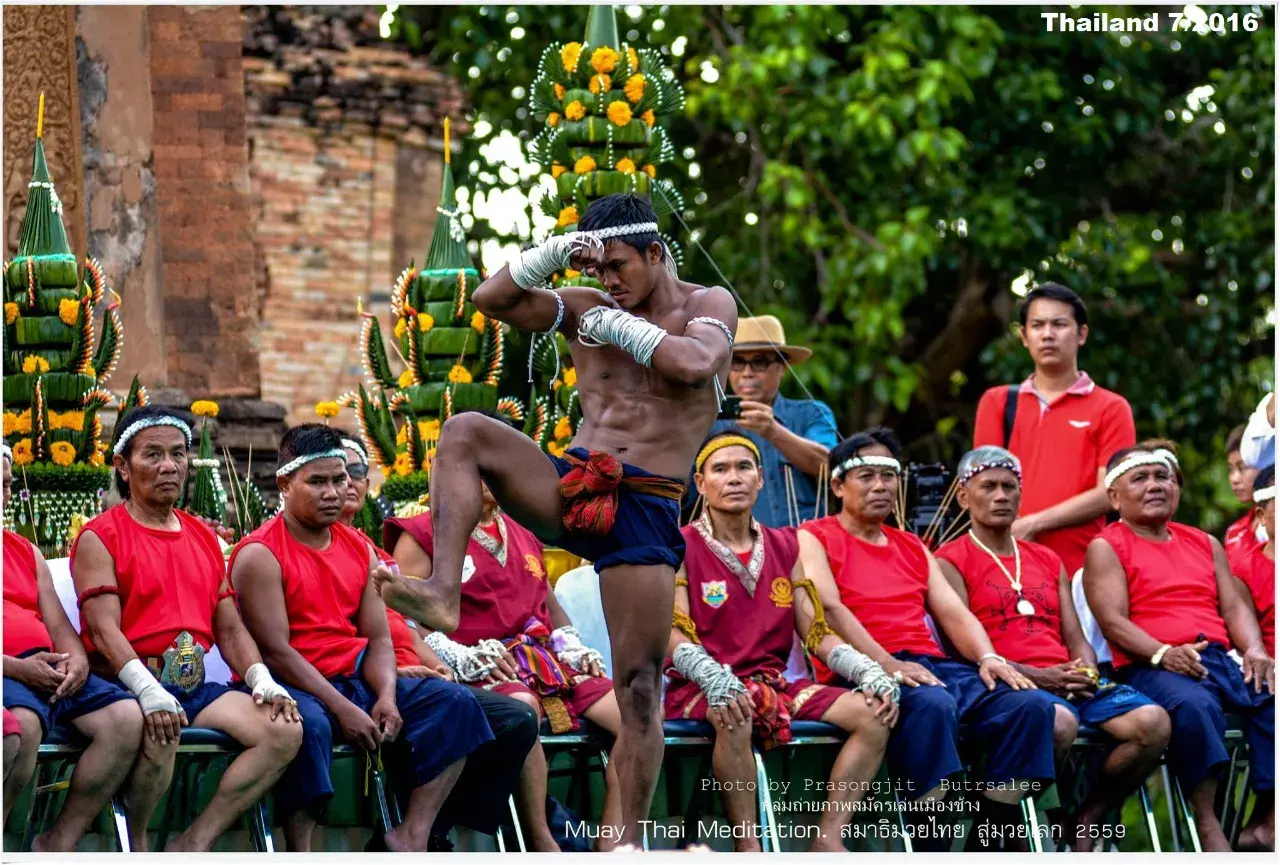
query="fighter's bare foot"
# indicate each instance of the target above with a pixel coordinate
(424, 602)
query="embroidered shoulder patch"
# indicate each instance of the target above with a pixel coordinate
(715, 593)
(534, 566)
(780, 592)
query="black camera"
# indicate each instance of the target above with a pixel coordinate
(926, 489)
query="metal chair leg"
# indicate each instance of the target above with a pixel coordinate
(1175, 825)
(515, 824)
(1033, 825)
(383, 815)
(260, 828)
(121, 822)
(767, 819)
(1190, 822)
(31, 830)
(902, 820)
(1149, 813)
(1237, 817)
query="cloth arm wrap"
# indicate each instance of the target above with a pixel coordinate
(717, 681)
(863, 672)
(603, 325)
(260, 683)
(535, 266)
(469, 663)
(566, 642)
(152, 696)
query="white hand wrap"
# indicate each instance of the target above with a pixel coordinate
(864, 673)
(259, 680)
(469, 663)
(152, 696)
(535, 266)
(717, 681)
(603, 325)
(566, 642)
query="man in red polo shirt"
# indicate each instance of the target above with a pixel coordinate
(1063, 429)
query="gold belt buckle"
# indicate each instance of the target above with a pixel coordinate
(183, 664)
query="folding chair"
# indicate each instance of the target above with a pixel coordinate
(55, 763)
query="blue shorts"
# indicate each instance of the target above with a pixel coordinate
(1197, 746)
(646, 530)
(1110, 701)
(96, 694)
(192, 702)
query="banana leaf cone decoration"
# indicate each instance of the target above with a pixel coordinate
(55, 369)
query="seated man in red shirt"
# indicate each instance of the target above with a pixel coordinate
(1255, 565)
(1063, 427)
(1021, 593)
(731, 639)
(1243, 534)
(1164, 597)
(305, 586)
(47, 682)
(876, 584)
(515, 639)
(492, 773)
(154, 598)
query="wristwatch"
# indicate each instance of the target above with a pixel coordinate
(1159, 655)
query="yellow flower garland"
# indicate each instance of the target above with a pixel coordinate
(634, 89)
(563, 429)
(400, 328)
(568, 216)
(557, 169)
(619, 113)
(626, 166)
(459, 375)
(22, 454)
(559, 90)
(10, 313)
(62, 453)
(604, 59)
(553, 119)
(10, 423)
(403, 465)
(575, 111)
(600, 84)
(570, 55)
(584, 165)
(477, 322)
(206, 408)
(633, 58)
(571, 377)
(406, 379)
(649, 118)
(35, 364)
(328, 409)
(651, 170)
(425, 322)
(429, 430)
(69, 312)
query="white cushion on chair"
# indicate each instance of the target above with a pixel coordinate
(578, 592)
(1088, 624)
(215, 669)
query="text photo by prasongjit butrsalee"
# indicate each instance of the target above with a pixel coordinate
(705, 428)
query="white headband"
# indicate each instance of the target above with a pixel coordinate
(147, 423)
(859, 462)
(1158, 458)
(603, 234)
(1265, 494)
(1010, 463)
(295, 464)
(1169, 457)
(358, 448)
(6, 452)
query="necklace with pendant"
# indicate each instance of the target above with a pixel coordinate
(1024, 606)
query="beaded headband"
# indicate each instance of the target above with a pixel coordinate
(859, 462)
(1137, 460)
(354, 445)
(1009, 464)
(721, 442)
(147, 423)
(1265, 494)
(613, 231)
(295, 464)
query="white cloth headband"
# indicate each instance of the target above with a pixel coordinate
(1265, 494)
(358, 448)
(1168, 456)
(295, 464)
(8, 454)
(603, 234)
(859, 462)
(147, 423)
(1137, 460)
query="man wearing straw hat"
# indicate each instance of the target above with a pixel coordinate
(793, 436)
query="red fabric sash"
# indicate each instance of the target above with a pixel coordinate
(540, 670)
(590, 489)
(772, 715)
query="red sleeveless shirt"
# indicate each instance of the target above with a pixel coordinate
(322, 592)
(1257, 572)
(24, 628)
(169, 581)
(884, 587)
(752, 633)
(1173, 589)
(1035, 640)
(497, 599)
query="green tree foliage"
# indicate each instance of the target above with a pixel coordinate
(879, 177)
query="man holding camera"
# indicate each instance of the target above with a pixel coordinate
(794, 436)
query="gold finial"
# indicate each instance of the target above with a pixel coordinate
(446, 139)
(40, 118)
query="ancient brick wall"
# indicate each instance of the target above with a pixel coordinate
(344, 151)
(201, 171)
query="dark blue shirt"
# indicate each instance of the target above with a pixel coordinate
(809, 419)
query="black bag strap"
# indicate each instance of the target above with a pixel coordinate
(1010, 412)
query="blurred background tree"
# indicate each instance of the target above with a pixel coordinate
(889, 180)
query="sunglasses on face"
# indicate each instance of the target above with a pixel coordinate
(357, 471)
(757, 364)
